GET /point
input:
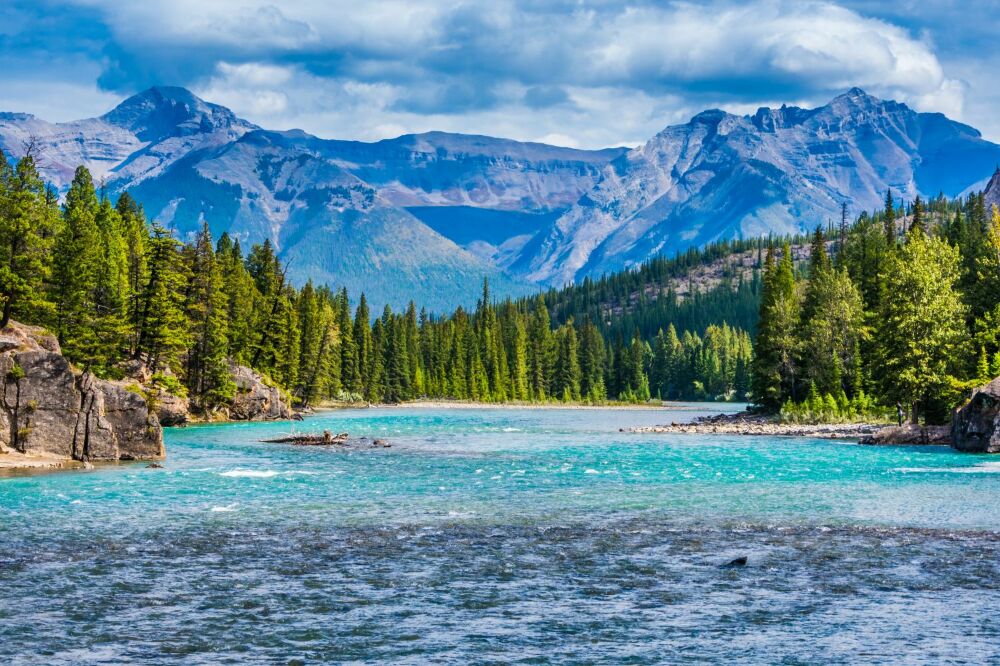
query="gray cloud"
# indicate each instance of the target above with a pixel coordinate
(529, 69)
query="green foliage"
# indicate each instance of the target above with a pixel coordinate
(893, 321)
(16, 373)
(169, 383)
(913, 318)
(834, 409)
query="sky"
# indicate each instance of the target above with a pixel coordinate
(573, 73)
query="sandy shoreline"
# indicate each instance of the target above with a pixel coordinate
(12, 461)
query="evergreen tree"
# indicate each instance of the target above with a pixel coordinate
(207, 374)
(27, 224)
(889, 219)
(775, 373)
(922, 330)
(162, 335)
(76, 259)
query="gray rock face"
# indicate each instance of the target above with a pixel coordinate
(48, 408)
(723, 176)
(991, 194)
(171, 410)
(910, 434)
(255, 400)
(975, 426)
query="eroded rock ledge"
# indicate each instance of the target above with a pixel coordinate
(49, 410)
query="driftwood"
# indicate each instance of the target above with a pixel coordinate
(311, 439)
(327, 439)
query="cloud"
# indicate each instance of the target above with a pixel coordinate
(602, 72)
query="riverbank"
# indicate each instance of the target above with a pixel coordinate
(744, 423)
(14, 462)
(723, 407)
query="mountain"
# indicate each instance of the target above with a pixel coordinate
(427, 216)
(420, 216)
(991, 194)
(779, 171)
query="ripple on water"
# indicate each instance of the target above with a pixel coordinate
(457, 592)
(564, 541)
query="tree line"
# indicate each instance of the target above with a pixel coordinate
(907, 313)
(119, 291)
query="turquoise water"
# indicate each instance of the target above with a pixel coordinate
(505, 536)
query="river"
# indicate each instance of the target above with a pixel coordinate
(505, 536)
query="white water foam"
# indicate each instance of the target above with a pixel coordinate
(250, 473)
(981, 468)
(265, 473)
(224, 509)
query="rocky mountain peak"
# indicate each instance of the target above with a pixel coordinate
(163, 111)
(992, 192)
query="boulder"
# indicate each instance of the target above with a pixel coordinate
(171, 410)
(255, 400)
(46, 408)
(975, 426)
(909, 434)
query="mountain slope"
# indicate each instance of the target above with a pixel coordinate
(426, 216)
(328, 225)
(343, 212)
(779, 171)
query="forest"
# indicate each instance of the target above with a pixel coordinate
(117, 289)
(905, 313)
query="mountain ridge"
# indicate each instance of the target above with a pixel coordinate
(520, 213)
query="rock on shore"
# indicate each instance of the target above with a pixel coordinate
(910, 434)
(754, 424)
(975, 426)
(49, 410)
(255, 400)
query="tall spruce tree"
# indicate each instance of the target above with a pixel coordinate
(207, 373)
(76, 259)
(27, 224)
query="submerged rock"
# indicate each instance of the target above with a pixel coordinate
(975, 426)
(735, 563)
(47, 408)
(910, 434)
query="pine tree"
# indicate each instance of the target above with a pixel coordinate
(363, 352)
(207, 375)
(76, 260)
(922, 325)
(918, 223)
(350, 376)
(111, 295)
(242, 298)
(136, 237)
(539, 346)
(775, 372)
(27, 224)
(162, 335)
(889, 219)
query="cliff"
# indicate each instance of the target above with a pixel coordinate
(50, 410)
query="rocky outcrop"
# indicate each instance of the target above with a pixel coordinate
(910, 434)
(975, 426)
(255, 400)
(171, 410)
(49, 409)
